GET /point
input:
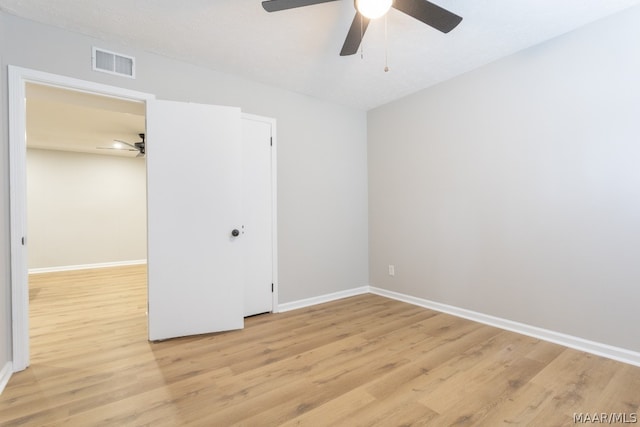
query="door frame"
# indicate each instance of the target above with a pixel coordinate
(18, 78)
(274, 203)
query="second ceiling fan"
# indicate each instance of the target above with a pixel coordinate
(121, 145)
(422, 10)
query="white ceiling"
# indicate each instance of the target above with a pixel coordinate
(298, 49)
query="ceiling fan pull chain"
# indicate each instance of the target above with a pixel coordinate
(386, 46)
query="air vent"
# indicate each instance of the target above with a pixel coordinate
(114, 63)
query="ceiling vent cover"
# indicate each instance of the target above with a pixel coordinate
(114, 63)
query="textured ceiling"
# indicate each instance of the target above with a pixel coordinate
(298, 49)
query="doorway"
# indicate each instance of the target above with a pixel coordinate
(18, 78)
(86, 215)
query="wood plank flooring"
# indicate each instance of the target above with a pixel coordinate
(360, 361)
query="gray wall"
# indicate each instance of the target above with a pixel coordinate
(85, 208)
(322, 178)
(514, 190)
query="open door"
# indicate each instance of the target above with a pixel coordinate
(194, 197)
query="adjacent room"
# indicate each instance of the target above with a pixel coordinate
(451, 204)
(86, 214)
(86, 188)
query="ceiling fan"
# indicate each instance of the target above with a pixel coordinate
(125, 146)
(422, 10)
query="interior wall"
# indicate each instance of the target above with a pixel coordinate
(514, 190)
(85, 208)
(322, 168)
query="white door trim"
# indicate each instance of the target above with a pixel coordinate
(18, 77)
(274, 204)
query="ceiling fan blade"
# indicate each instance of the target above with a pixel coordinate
(125, 143)
(117, 149)
(355, 34)
(276, 5)
(429, 13)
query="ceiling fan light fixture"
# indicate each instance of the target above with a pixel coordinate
(373, 9)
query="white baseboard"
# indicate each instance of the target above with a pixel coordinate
(294, 305)
(599, 349)
(86, 266)
(5, 375)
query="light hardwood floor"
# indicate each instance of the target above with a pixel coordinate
(360, 361)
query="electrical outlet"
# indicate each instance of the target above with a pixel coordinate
(392, 270)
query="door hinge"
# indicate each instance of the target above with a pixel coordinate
(271, 141)
(22, 240)
(272, 287)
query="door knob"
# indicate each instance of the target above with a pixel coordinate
(235, 232)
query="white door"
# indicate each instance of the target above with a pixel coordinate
(257, 215)
(194, 196)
